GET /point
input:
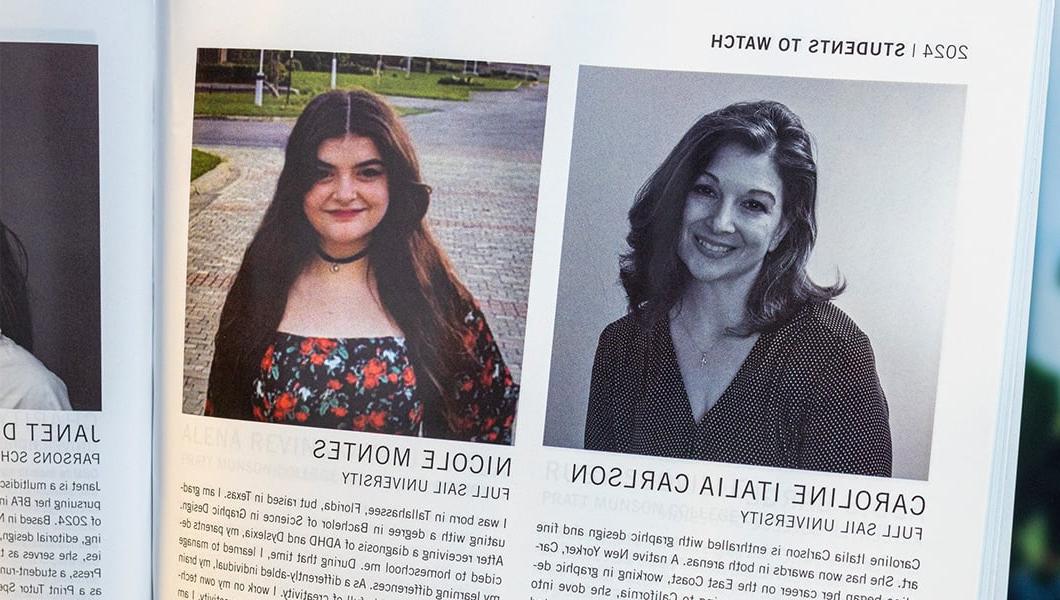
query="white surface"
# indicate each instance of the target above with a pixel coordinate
(661, 36)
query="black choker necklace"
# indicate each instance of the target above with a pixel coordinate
(336, 262)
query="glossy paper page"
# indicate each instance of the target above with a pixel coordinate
(729, 292)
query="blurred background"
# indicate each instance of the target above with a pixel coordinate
(1035, 570)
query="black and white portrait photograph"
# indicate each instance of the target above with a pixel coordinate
(754, 269)
(50, 303)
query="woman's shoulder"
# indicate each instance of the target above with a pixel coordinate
(826, 321)
(27, 383)
(819, 334)
(823, 337)
(625, 340)
(624, 331)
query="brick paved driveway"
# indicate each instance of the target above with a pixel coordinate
(481, 157)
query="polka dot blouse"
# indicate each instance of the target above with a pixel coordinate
(806, 397)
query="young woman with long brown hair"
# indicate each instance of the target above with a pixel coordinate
(345, 312)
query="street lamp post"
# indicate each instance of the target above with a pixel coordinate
(259, 81)
(290, 77)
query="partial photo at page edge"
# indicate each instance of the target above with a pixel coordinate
(51, 390)
(49, 228)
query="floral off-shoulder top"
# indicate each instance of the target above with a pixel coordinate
(369, 384)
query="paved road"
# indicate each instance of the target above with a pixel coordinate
(491, 123)
(481, 157)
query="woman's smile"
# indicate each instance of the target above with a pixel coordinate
(345, 214)
(712, 248)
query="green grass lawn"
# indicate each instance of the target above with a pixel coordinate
(202, 162)
(394, 83)
(309, 83)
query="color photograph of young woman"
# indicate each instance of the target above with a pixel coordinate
(346, 310)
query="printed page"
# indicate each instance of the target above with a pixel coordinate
(660, 302)
(76, 163)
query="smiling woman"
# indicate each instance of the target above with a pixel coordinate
(345, 312)
(729, 351)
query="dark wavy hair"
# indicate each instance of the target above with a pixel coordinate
(416, 283)
(14, 293)
(653, 275)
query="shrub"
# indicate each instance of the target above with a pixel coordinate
(446, 66)
(355, 69)
(467, 81)
(226, 73)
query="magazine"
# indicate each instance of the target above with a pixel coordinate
(648, 301)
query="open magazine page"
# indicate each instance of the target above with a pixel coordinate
(76, 158)
(659, 302)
